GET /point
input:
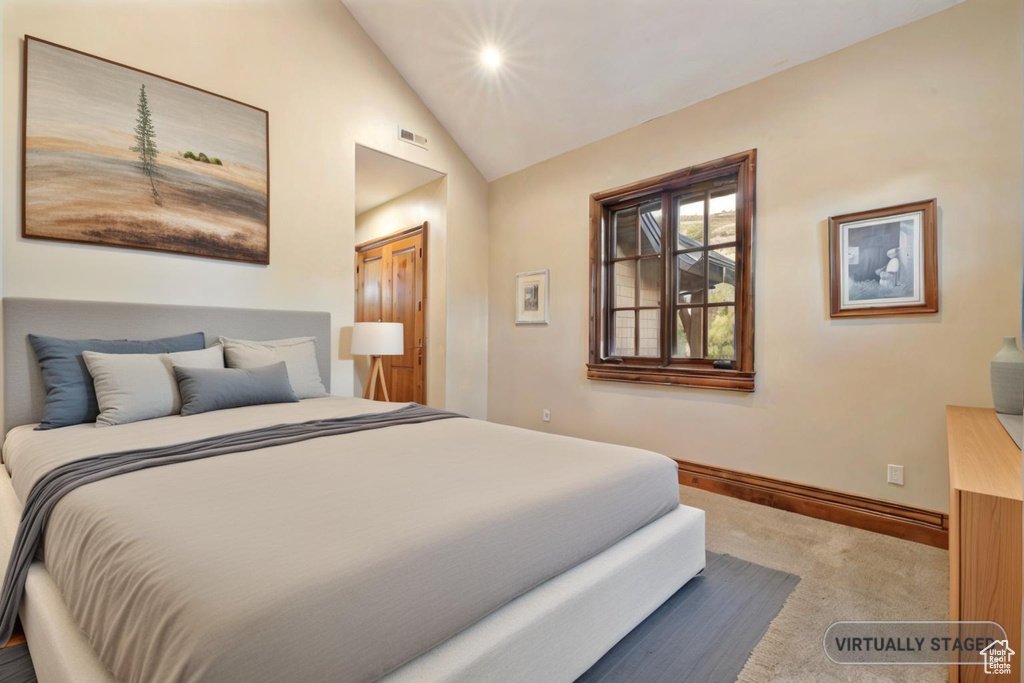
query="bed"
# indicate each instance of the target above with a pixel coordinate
(450, 550)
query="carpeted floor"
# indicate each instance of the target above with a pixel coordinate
(845, 574)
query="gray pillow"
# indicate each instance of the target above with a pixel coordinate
(203, 390)
(298, 353)
(70, 397)
(141, 386)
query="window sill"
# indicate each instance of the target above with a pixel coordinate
(709, 378)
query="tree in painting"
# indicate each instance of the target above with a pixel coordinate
(145, 142)
(145, 135)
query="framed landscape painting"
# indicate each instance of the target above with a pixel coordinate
(120, 157)
(884, 261)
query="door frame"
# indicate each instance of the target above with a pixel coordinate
(421, 229)
(394, 237)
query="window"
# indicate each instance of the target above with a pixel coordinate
(671, 269)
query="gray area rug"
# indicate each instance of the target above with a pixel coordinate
(705, 632)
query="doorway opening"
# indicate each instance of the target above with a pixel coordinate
(401, 215)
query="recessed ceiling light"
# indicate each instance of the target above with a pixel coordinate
(491, 57)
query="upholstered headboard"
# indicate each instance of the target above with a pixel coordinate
(23, 383)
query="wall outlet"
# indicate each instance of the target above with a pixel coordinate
(546, 415)
(895, 475)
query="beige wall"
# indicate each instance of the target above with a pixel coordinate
(932, 109)
(426, 203)
(327, 87)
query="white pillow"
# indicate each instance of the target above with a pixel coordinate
(141, 386)
(299, 356)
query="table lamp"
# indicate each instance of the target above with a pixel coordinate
(376, 340)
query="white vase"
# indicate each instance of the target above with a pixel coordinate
(1008, 378)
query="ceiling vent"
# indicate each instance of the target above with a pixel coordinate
(412, 138)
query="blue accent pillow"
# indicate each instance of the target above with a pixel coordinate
(70, 397)
(206, 389)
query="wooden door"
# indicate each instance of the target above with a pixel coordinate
(391, 287)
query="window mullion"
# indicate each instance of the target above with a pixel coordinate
(739, 301)
(636, 285)
(609, 312)
(667, 251)
(705, 314)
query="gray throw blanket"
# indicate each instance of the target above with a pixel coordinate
(66, 478)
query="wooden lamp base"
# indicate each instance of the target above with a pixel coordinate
(371, 388)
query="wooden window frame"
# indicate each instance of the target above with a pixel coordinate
(665, 369)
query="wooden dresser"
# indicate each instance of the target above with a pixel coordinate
(984, 528)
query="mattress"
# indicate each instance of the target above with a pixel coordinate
(339, 558)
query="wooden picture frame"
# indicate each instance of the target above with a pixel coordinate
(120, 157)
(533, 297)
(884, 262)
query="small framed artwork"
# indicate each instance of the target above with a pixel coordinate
(532, 300)
(884, 262)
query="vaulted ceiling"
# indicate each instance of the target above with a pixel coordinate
(575, 71)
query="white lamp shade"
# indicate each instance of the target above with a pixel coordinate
(378, 339)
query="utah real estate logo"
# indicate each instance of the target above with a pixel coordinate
(997, 657)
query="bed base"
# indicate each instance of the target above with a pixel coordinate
(557, 631)
(553, 633)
